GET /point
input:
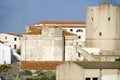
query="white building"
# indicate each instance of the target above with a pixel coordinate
(88, 71)
(10, 39)
(7, 55)
(77, 28)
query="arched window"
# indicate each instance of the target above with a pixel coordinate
(79, 30)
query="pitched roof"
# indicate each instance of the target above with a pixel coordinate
(34, 31)
(66, 33)
(99, 64)
(40, 65)
(18, 35)
(58, 22)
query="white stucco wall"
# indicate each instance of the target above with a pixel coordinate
(5, 54)
(82, 33)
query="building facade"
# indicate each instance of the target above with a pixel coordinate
(88, 71)
(11, 40)
(48, 43)
(103, 30)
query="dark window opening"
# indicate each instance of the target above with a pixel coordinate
(15, 39)
(95, 78)
(71, 30)
(100, 34)
(79, 37)
(15, 46)
(92, 18)
(5, 37)
(108, 18)
(9, 45)
(87, 79)
(91, 9)
(79, 30)
(79, 54)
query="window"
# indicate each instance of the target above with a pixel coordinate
(5, 37)
(15, 39)
(91, 9)
(100, 34)
(15, 46)
(79, 37)
(9, 45)
(108, 18)
(95, 78)
(71, 30)
(79, 30)
(87, 79)
(92, 18)
(79, 54)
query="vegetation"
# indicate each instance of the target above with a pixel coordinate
(4, 69)
(10, 72)
(37, 75)
(19, 51)
(118, 59)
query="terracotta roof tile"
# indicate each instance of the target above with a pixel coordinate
(66, 33)
(38, 30)
(13, 34)
(73, 26)
(40, 65)
(34, 31)
(58, 22)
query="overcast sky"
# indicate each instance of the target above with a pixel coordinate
(15, 15)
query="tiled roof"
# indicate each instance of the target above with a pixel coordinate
(40, 65)
(18, 35)
(58, 22)
(38, 30)
(66, 33)
(73, 26)
(34, 31)
(99, 65)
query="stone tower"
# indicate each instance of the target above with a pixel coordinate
(103, 28)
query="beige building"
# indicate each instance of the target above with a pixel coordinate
(88, 71)
(103, 30)
(48, 43)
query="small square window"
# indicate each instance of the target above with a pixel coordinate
(92, 18)
(95, 78)
(15, 39)
(100, 34)
(87, 79)
(108, 18)
(79, 37)
(71, 30)
(5, 37)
